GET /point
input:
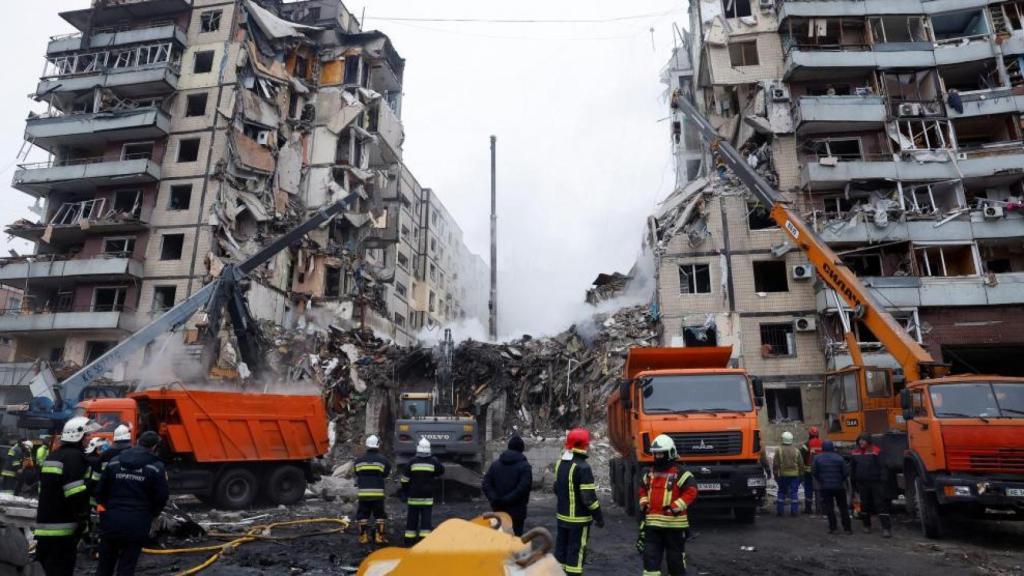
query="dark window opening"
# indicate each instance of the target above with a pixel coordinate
(163, 297)
(699, 336)
(998, 266)
(784, 404)
(301, 67)
(351, 70)
(140, 151)
(400, 289)
(864, 264)
(399, 320)
(94, 350)
(736, 8)
(188, 150)
(743, 54)
(694, 279)
(759, 218)
(332, 282)
(209, 21)
(123, 247)
(196, 105)
(109, 299)
(770, 276)
(181, 197)
(172, 246)
(128, 202)
(778, 340)
(203, 62)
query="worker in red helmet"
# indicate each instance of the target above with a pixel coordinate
(809, 450)
(577, 502)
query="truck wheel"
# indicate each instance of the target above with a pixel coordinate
(630, 483)
(927, 510)
(285, 485)
(745, 514)
(236, 489)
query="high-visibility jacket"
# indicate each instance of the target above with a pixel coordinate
(575, 489)
(63, 496)
(809, 450)
(371, 470)
(419, 480)
(13, 460)
(667, 493)
(42, 451)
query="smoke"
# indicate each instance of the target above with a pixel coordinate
(465, 329)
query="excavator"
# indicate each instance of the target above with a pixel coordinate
(953, 443)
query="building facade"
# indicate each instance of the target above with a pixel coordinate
(185, 134)
(895, 129)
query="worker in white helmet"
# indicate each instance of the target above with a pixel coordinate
(788, 468)
(63, 511)
(122, 442)
(372, 470)
(419, 482)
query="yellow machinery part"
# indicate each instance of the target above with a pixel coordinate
(483, 546)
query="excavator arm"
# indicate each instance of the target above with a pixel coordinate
(916, 362)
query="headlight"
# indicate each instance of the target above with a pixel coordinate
(957, 490)
(756, 482)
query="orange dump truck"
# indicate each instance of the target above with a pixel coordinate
(226, 448)
(708, 409)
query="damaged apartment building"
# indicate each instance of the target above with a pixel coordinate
(895, 128)
(183, 135)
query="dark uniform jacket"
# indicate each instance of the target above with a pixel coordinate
(371, 470)
(419, 480)
(866, 465)
(575, 490)
(133, 490)
(113, 452)
(508, 482)
(13, 460)
(830, 470)
(63, 495)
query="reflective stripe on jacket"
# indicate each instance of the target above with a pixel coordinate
(419, 480)
(575, 489)
(371, 470)
(63, 497)
(668, 495)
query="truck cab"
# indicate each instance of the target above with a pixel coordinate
(452, 438)
(965, 450)
(708, 409)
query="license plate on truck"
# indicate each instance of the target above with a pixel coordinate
(1018, 492)
(709, 486)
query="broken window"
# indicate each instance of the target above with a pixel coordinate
(694, 279)
(123, 247)
(886, 29)
(778, 339)
(700, 335)
(843, 149)
(931, 199)
(203, 62)
(127, 203)
(825, 34)
(209, 21)
(188, 150)
(171, 247)
(180, 197)
(946, 260)
(736, 8)
(109, 299)
(913, 92)
(1009, 16)
(922, 135)
(784, 404)
(137, 151)
(95, 349)
(770, 276)
(399, 320)
(163, 297)
(970, 76)
(743, 53)
(432, 304)
(759, 217)
(353, 70)
(953, 26)
(332, 282)
(403, 262)
(401, 290)
(983, 131)
(864, 264)
(1002, 257)
(196, 105)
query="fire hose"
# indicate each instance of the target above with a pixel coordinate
(254, 534)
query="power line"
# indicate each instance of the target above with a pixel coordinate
(524, 20)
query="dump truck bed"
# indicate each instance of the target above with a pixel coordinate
(231, 426)
(648, 359)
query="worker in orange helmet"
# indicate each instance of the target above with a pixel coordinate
(577, 502)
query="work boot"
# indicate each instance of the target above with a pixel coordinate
(380, 537)
(364, 536)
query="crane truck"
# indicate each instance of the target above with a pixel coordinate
(953, 443)
(217, 445)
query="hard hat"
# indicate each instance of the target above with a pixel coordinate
(578, 439)
(664, 447)
(423, 448)
(94, 445)
(123, 433)
(813, 431)
(76, 429)
(27, 444)
(372, 442)
(787, 438)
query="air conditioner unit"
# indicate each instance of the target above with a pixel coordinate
(767, 4)
(805, 324)
(961, 155)
(780, 93)
(909, 109)
(803, 272)
(992, 212)
(263, 137)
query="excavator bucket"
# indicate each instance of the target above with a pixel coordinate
(483, 546)
(644, 359)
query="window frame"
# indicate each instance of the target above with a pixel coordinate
(693, 278)
(209, 21)
(790, 339)
(742, 50)
(163, 244)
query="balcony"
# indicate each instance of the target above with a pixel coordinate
(42, 271)
(990, 102)
(914, 292)
(74, 220)
(84, 174)
(821, 114)
(117, 37)
(818, 65)
(69, 319)
(387, 126)
(997, 159)
(384, 230)
(135, 71)
(92, 130)
(811, 8)
(124, 10)
(970, 227)
(823, 173)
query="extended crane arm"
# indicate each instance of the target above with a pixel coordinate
(915, 360)
(212, 296)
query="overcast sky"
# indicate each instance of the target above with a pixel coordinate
(579, 111)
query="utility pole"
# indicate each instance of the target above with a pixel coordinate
(493, 305)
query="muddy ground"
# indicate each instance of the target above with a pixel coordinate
(782, 546)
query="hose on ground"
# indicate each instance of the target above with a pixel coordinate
(254, 534)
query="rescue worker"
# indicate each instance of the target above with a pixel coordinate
(578, 506)
(132, 492)
(63, 500)
(122, 442)
(508, 482)
(830, 472)
(868, 476)
(14, 466)
(666, 492)
(43, 450)
(809, 450)
(419, 482)
(93, 453)
(788, 467)
(371, 470)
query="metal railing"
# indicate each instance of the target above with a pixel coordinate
(62, 162)
(28, 309)
(101, 61)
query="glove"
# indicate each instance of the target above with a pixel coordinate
(644, 508)
(599, 521)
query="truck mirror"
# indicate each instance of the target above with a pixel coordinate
(758, 390)
(905, 401)
(624, 395)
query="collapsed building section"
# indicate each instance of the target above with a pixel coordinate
(898, 136)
